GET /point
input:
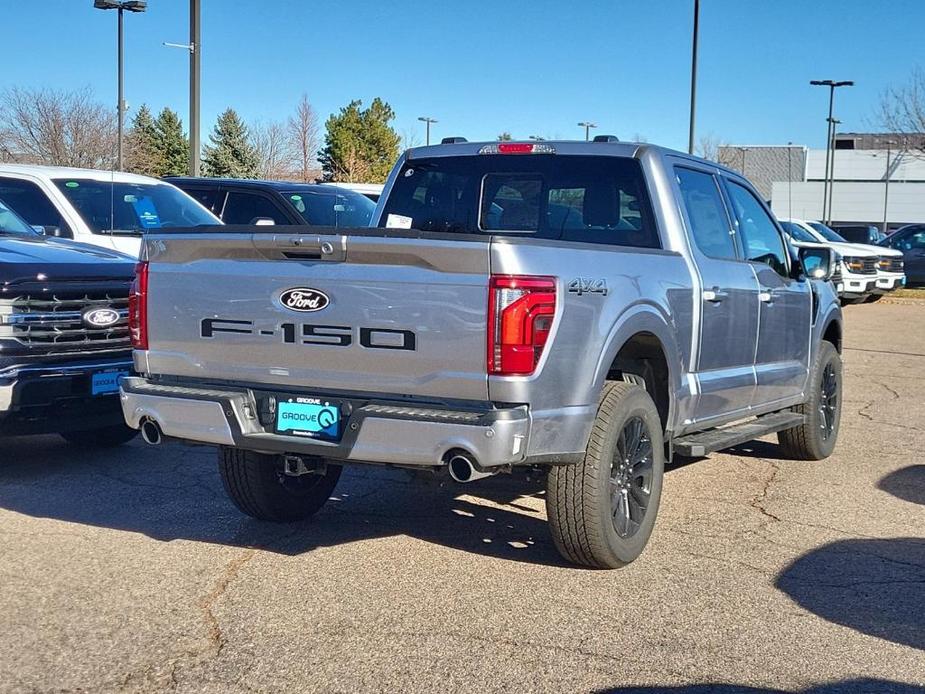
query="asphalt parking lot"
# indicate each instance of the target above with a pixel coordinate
(131, 571)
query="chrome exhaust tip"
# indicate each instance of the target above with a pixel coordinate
(463, 469)
(151, 432)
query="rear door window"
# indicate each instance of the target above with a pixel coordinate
(243, 208)
(706, 212)
(591, 199)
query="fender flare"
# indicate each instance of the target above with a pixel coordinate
(643, 318)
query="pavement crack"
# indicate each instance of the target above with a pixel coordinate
(757, 501)
(207, 602)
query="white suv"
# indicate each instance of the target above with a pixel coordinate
(102, 208)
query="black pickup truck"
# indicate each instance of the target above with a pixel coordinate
(64, 336)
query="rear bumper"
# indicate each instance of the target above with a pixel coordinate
(375, 432)
(57, 397)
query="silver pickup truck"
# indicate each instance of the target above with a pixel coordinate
(591, 308)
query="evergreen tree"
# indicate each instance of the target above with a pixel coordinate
(172, 143)
(231, 153)
(143, 152)
(360, 146)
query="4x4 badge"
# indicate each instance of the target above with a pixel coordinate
(584, 285)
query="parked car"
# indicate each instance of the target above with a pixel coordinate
(101, 208)
(371, 190)
(64, 340)
(910, 241)
(860, 233)
(245, 201)
(590, 308)
(858, 269)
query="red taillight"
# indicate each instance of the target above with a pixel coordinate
(520, 314)
(138, 307)
(515, 148)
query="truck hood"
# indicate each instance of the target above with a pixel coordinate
(25, 258)
(856, 249)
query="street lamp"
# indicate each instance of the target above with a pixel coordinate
(587, 125)
(428, 120)
(886, 187)
(832, 85)
(121, 6)
(690, 135)
(833, 122)
(195, 67)
(537, 138)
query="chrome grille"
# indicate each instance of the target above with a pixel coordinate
(862, 265)
(54, 321)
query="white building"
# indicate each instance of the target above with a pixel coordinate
(859, 190)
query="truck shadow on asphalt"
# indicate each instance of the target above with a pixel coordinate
(857, 686)
(174, 492)
(875, 586)
(907, 484)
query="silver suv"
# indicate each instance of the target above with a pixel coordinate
(591, 308)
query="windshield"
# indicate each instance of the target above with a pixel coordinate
(826, 233)
(332, 209)
(12, 223)
(132, 207)
(798, 233)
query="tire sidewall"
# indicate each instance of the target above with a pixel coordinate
(636, 403)
(827, 355)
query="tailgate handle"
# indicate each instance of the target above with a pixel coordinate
(302, 246)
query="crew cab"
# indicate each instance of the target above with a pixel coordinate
(110, 209)
(64, 337)
(588, 308)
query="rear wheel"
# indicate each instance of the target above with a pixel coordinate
(102, 437)
(815, 438)
(602, 510)
(259, 487)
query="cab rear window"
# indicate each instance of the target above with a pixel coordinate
(573, 198)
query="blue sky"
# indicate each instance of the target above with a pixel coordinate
(529, 67)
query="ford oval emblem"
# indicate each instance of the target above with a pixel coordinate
(304, 299)
(101, 318)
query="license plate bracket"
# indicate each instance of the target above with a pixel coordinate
(308, 417)
(106, 382)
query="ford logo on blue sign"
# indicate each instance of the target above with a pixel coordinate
(304, 299)
(101, 318)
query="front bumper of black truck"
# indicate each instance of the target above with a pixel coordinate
(61, 397)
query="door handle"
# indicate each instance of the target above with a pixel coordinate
(766, 296)
(715, 295)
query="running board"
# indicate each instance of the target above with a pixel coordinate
(703, 442)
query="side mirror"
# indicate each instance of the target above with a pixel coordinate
(38, 229)
(263, 221)
(818, 263)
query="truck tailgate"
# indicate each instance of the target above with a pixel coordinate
(360, 312)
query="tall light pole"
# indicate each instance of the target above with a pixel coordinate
(828, 217)
(121, 6)
(428, 120)
(587, 125)
(832, 85)
(886, 184)
(195, 66)
(690, 137)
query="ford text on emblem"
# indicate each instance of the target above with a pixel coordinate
(303, 299)
(101, 318)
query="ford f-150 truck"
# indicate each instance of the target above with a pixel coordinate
(591, 308)
(64, 336)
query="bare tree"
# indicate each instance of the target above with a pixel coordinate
(304, 139)
(902, 111)
(409, 138)
(48, 126)
(709, 147)
(272, 142)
